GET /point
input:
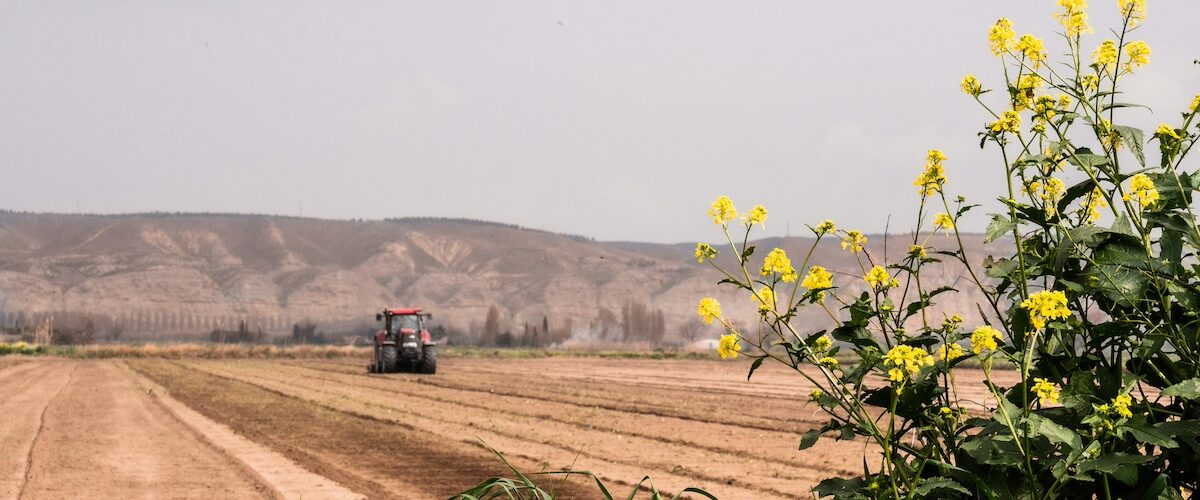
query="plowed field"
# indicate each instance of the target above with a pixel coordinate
(327, 429)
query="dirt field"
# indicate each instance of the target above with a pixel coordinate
(326, 429)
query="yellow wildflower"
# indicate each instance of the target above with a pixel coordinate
(1196, 104)
(1137, 54)
(1032, 48)
(1135, 10)
(1025, 87)
(765, 299)
(758, 215)
(943, 221)
(949, 352)
(971, 85)
(917, 251)
(1050, 192)
(705, 251)
(1064, 101)
(1000, 36)
(822, 344)
(1094, 203)
(1105, 56)
(778, 262)
(1009, 121)
(1047, 393)
(816, 394)
(709, 309)
(729, 346)
(1045, 305)
(905, 361)
(985, 339)
(1141, 188)
(931, 180)
(1045, 106)
(1166, 132)
(877, 277)
(722, 210)
(1090, 82)
(1121, 404)
(818, 279)
(1073, 17)
(854, 241)
(828, 362)
(826, 226)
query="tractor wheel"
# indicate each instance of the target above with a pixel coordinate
(389, 356)
(429, 360)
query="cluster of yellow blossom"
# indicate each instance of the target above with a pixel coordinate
(1121, 404)
(778, 262)
(985, 339)
(1046, 305)
(854, 241)
(1141, 189)
(1094, 203)
(904, 361)
(709, 309)
(729, 347)
(877, 277)
(917, 251)
(934, 176)
(971, 85)
(722, 210)
(816, 394)
(1137, 54)
(1000, 36)
(1108, 134)
(1134, 10)
(818, 279)
(1026, 87)
(828, 362)
(1196, 104)
(758, 215)
(949, 352)
(1090, 82)
(765, 298)
(943, 221)
(1049, 192)
(705, 251)
(1009, 121)
(822, 344)
(1032, 48)
(1073, 17)
(1105, 56)
(826, 226)
(1047, 393)
(1166, 132)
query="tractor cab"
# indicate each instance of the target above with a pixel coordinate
(403, 345)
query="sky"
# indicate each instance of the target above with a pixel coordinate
(618, 120)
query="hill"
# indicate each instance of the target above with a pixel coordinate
(179, 275)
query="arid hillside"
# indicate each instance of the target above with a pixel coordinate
(179, 275)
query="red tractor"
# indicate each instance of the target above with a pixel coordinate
(403, 345)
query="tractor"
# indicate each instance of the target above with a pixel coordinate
(403, 345)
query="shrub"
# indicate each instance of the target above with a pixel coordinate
(1097, 307)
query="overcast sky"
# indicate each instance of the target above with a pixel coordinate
(617, 120)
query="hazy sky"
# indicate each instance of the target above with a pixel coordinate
(618, 120)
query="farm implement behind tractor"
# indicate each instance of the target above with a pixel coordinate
(403, 345)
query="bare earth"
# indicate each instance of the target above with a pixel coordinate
(317, 428)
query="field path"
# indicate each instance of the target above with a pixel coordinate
(102, 436)
(25, 393)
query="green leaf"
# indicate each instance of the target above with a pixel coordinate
(840, 488)
(943, 484)
(747, 253)
(1135, 138)
(1188, 389)
(1000, 226)
(754, 366)
(1118, 465)
(1146, 434)
(1056, 433)
(810, 438)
